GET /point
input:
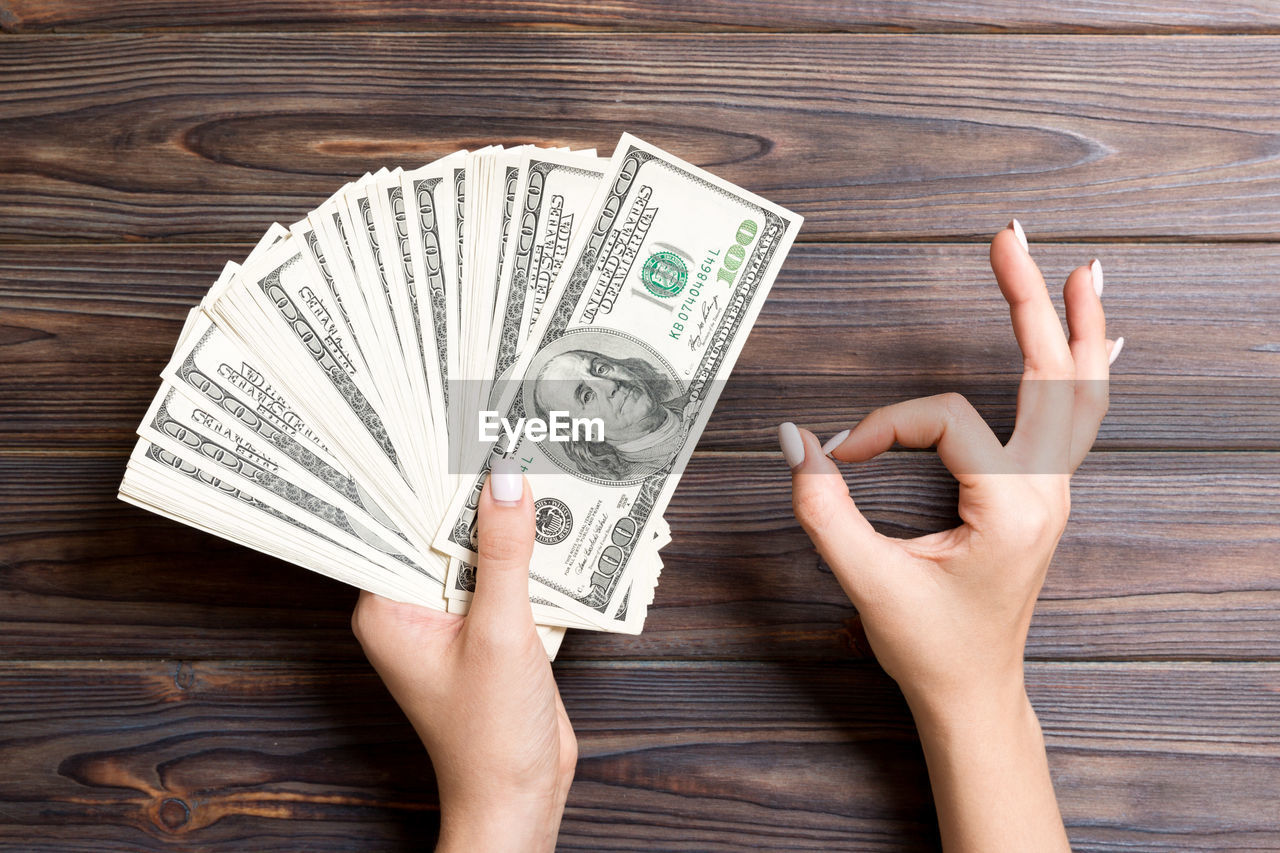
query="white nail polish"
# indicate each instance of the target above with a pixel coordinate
(1020, 234)
(506, 481)
(834, 442)
(1095, 269)
(792, 443)
(1115, 350)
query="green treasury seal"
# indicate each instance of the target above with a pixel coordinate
(664, 274)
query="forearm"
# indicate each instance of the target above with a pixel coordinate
(990, 774)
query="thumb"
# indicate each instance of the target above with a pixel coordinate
(504, 521)
(856, 553)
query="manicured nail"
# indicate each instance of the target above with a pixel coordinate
(1115, 350)
(506, 481)
(834, 442)
(1020, 234)
(792, 444)
(1095, 269)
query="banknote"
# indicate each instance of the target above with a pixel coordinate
(238, 399)
(273, 311)
(641, 328)
(553, 196)
(427, 227)
(154, 475)
(188, 429)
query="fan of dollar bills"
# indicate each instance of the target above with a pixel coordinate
(337, 399)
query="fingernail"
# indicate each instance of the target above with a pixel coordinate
(506, 481)
(1115, 350)
(792, 444)
(1020, 234)
(834, 442)
(1095, 269)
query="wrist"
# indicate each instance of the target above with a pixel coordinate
(987, 765)
(994, 703)
(503, 829)
(512, 824)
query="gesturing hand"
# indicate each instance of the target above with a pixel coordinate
(947, 614)
(479, 690)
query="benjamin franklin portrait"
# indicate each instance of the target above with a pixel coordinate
(639, 403)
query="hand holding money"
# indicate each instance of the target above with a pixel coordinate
(479, 692)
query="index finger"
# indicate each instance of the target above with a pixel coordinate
(966, 445)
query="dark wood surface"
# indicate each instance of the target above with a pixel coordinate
(896, 16)
(253, 755)
(210, 136)
(163, 690)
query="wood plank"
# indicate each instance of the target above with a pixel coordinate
(1168, 556)
(207, 756)
(847, 328)
(964, 16)
(208, 137)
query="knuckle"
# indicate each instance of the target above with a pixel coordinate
(362, 617)
(956, 406)
(1061, 365)
(1094, 398)
(501, 548)
(1046, 517)
(1062, 505)
(1057, 366)
(490, 638)
(371, 617)
(813, 507)
(568, 756)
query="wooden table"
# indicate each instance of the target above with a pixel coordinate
(163, 690)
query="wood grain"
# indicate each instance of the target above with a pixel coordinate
(200, 755)
(207, 137)
(1168, 556)
(162, 690)
(955, 16)
(847, 328)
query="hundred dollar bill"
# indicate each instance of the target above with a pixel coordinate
(547, 612)
(543, 210)
(555, 191)
(273, 311)
(384, 244)
(241, 401)
(490, 194)
(405, 401)
(359, 300)
(182, 488)
(428, 228)
(501, 206)
(190, 431)
(641, 329)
